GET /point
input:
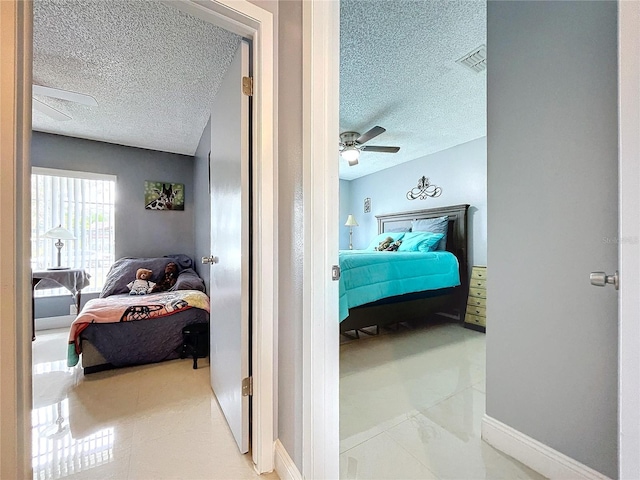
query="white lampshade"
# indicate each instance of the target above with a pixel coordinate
(351, 221)
(59, 232)
(351, 155)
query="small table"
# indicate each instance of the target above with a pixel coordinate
(73, 279)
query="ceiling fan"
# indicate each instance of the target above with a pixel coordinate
(352, 143)
(62, 94)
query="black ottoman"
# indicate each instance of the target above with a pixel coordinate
(195, 342)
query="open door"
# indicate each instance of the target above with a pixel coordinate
(230, 240)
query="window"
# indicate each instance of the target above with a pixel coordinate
(84, 204)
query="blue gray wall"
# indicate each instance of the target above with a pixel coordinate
(202, 203)
(291, 226)
(139, 232)
(461, 171)
(552, 339)
(346, 208)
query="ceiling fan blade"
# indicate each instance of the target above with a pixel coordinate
(366, 136)
(50, 111)
(65, 95)
(372, 148)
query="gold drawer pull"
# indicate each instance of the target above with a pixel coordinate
(479, 284)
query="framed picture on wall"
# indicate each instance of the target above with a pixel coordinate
(163, 195)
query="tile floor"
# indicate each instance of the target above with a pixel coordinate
(150, 422)
(411, 403)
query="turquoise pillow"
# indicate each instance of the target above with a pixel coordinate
(420, 242)
(434, 225)
(379, 238)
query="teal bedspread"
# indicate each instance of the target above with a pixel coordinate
(369, 276)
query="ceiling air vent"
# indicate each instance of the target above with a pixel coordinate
(475, 60)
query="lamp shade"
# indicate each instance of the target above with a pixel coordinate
(351, 221)
(59, 232)
(351, 155)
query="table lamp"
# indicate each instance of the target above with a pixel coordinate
(59, 233)
(351, 222)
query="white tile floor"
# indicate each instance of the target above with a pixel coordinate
(411, 403)
(150, 422)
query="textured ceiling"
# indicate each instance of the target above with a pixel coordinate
(398, 70)
(153, 70)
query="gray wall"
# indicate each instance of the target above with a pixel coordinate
(552, 198)
(202, 203)
(290, 233)
(461, 171)
(139, 232)
(345, 209)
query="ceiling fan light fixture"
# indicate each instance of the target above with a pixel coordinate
(351, 154)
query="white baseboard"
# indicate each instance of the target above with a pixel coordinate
(534, 454)
(49, 323)
(285, 468)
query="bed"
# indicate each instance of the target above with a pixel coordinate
(422, 282)
(118, 329)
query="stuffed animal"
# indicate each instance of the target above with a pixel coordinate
(388, 245)
(168, 280)
(384, 244)
(394, 246)
(141, 285)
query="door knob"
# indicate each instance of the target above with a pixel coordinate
(210, 260)
(600, 279)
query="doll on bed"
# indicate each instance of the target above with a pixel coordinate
(142, 284)
(168, 279)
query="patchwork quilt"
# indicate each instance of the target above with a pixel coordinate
(128, 308)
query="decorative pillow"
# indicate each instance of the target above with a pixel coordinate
(381, 237)
(420, 242)
(124, 270)
(434, 225)
(188, 279)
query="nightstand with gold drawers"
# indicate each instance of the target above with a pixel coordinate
(476, 315)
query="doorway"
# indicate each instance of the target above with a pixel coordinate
(329, 360)
(245, 19)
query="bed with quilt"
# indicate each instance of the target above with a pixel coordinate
(414, 267)
(137, 321)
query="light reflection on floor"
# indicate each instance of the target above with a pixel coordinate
(55, 452)
(145, 422)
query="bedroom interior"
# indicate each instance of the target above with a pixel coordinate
(525, 374)
(161, 100)
(407, 375)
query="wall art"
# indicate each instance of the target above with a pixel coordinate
(163, 195)
(424, 190)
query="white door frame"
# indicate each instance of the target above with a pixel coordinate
(15, 289)
(321, 379)
(320, 349)
(629, 249)
(238, 16)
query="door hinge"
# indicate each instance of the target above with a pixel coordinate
(247, 86)
(335, 272)
(247, 386)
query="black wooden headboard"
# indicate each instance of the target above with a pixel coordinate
(457, 239)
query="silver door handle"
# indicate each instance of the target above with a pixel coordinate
(210, 260)
(600, 279)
